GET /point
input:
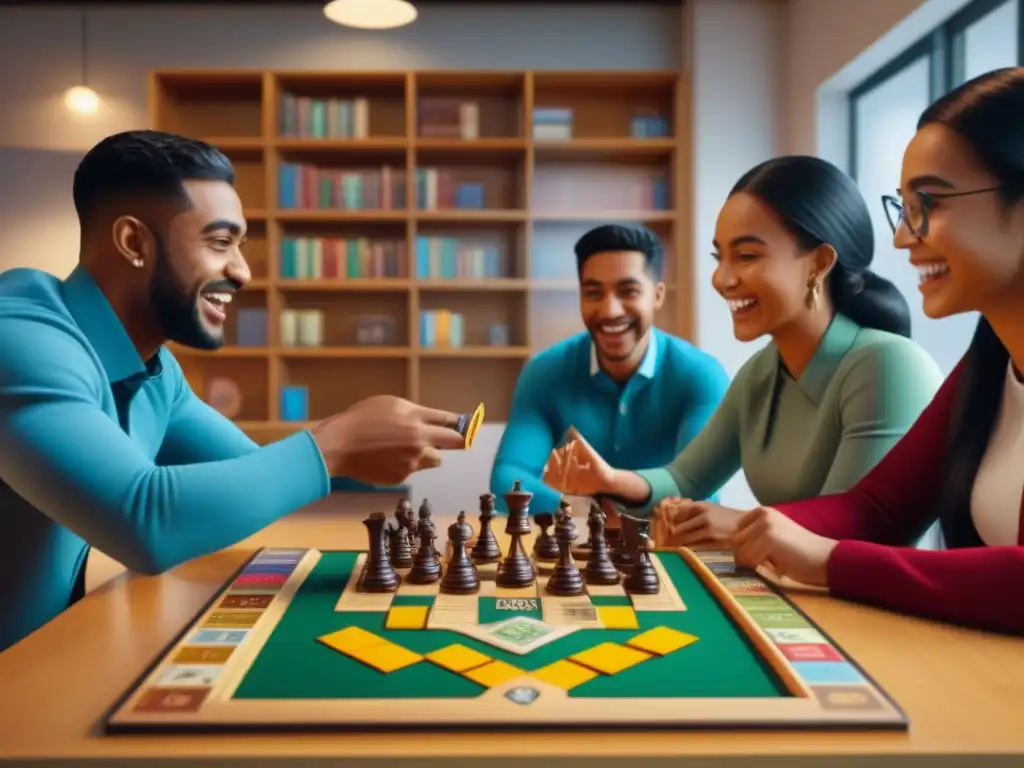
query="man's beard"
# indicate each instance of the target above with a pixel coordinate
(176, 308)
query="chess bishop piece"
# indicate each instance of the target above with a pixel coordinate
(486, 549)
(517, 570)
(565, 578)
(460, 577)
(599, 570)
(426, 565)
(378, 575)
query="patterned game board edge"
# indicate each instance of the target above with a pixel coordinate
(108, 722)
(708, 577)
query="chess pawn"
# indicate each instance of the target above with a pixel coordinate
(426, 568)
(565, 578)
(600, 569)
(378, 575)
(460, 577)
(545, 547)
(401, 549)
(486, 549)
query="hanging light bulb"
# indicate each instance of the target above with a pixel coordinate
(371, 14)
(82, 99)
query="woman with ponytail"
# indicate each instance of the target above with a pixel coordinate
(960, 216)
(837, 386)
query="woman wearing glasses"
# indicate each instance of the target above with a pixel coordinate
(960, 217)
(839, 384)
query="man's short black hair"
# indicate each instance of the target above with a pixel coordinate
(139, 163)
(619, 237)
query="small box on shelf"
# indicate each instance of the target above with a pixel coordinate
(294, 403)
(552, 123)
(376, 330)
(311, 258)
(648, 126)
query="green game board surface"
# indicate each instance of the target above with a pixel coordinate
(293, 665)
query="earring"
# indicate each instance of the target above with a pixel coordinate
(137, 263)
(813, 286)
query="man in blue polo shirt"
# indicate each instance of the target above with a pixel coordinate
(638, 395)
(102, 442)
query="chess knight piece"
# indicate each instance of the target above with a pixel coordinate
(565, 578)
(460, 577)
(517, 570)
(378, 575)
(486, 549)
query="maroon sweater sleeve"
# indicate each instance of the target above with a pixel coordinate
(878, 519)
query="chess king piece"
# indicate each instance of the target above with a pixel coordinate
(486, 549)
(460, 577)
(426, 565)
(565, 578)
(400, 550)
(545, 548)
(517, 570)
(378, 575)
(599, 570)
(642, 578)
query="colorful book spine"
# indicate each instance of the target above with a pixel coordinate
(333, 118)
(441, 329)
(448, 118)
(449, 258)
(302, 328)
(336, 258)
(437, 188)
(309, 187)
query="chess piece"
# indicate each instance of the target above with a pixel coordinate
(622, 557)
(404, 516)
(400, 550)
(426, 510)
(643, 577)
(378, 575)
(544, 546)
(517, 569)
(460, 577)
(426, 565)
(486, 549)
(565, 578)
(599, 569)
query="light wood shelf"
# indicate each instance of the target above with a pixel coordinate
(534, 198)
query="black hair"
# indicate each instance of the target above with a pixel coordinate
(987, 111)
(821, 205)
(138, 163)
(619, 237)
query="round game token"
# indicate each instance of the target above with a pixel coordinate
(473, 425)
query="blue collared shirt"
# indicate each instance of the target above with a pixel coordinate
(644, 422)
(99, 448)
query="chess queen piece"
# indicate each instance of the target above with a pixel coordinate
(426, 565)
(378, 575)
(599, 570)
(460, 577)
(517, 569)
(545, 548)
(643, 576)
(486, 549)
(565, 578)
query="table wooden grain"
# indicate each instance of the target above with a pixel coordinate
(962, 690)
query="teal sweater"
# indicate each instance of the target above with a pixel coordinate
(98, 448)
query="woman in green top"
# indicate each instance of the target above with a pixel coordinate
(837, 386)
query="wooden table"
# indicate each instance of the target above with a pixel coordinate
(963, 690)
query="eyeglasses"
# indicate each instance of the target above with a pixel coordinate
(915, 214)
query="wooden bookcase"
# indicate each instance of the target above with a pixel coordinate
(447, 172)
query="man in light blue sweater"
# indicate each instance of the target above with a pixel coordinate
(102, 442)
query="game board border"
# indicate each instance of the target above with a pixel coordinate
(736, 613)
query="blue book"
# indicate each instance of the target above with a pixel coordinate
(294, 403)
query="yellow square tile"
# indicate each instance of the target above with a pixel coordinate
(617, 616)
(610, 658)
(457, 658)
(662, 640)
(493, 673)
(407, 617)
(386, 657)
(564, 674)
(350, 639)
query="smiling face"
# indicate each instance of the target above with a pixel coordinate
(199, 266)
(762, 272)
(971, 256)
(618, 300)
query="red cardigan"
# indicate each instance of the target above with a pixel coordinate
(977, 586)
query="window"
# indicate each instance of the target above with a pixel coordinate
(985, 40)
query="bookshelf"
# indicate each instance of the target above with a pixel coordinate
(411, 232)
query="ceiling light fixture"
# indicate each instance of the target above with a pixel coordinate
(371, 14)
(81, 98)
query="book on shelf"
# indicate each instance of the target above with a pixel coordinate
(438, 188)
(442, 258)
(552, 123)
(251, 327)
(302, 328)
(310, 258)
(441, 329)
(311, 187)
(332, 118)
(649, 127)
(448, 118)
(294, 403)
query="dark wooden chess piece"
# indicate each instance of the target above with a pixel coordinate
(404, 516)
(622, 555)
(486, 549)
(425, 513)
(378, 575)
(565, 578)
(599, 569)
(400, 550)
(545, 547)
(426, 565)
(643, 577)
(460, 577)
(517, 569)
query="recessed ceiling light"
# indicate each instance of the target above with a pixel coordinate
(371, 14)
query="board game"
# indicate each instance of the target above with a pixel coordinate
(514, 629)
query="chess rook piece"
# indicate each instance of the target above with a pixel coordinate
(460, 577)
(486, 549)
(565, 578)
(517, 570)
(426, 565)
(400, 550)
(378, 575)
(643, 577)
(599, 569)
(544, 546)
